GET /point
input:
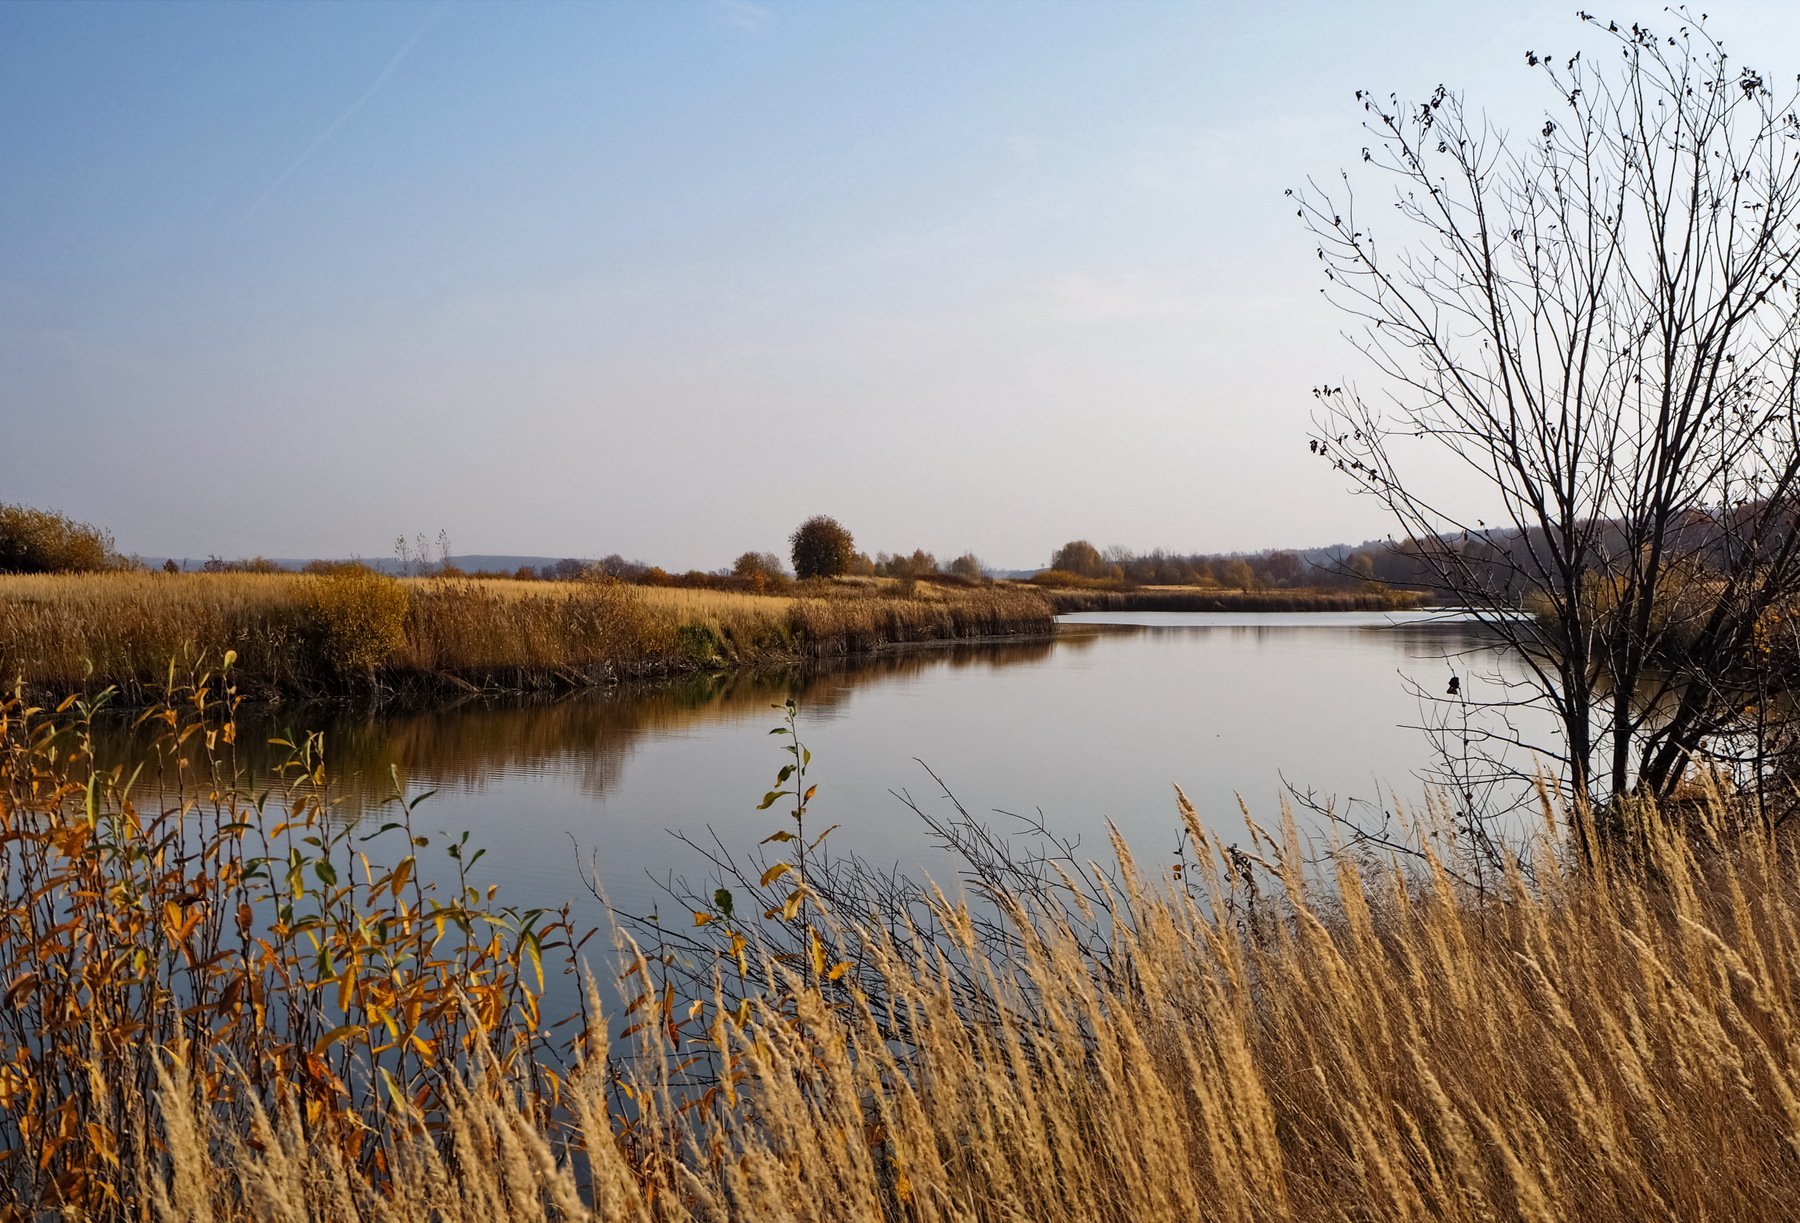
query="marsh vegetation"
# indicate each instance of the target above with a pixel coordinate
(349, 629)
(232, 1005)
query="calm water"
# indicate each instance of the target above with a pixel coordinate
(1098, 724)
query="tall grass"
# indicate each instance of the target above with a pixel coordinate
(1091, 597)
(1239, 1035)
(315, 635)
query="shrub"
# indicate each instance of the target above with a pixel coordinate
(269, 962)
(354, 618)
(255, 564)
(42, 541)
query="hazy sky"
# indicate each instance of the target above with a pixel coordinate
(664, 279)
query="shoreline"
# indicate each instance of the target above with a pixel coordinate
(299, 640)
(143, 634)
(1184, 599)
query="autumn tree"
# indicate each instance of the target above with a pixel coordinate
(1079, 557)
(821, 548)
(1236, 573)
(1597, 324)
(1282, 568)
(758, 564)
(968, 565)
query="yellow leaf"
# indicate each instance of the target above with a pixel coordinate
(775, 872)
(336, 1034)
(700, 919)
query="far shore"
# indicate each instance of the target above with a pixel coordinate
(362, 635)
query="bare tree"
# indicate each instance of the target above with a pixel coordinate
(1599, 325)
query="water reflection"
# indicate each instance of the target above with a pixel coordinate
(584, 739)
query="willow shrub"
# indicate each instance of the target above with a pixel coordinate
(279, 956)
(354, 619)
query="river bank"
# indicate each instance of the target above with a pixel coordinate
(356, 633)
(1192, 599)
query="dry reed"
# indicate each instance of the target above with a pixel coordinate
(296, 635)
(1253, 1040)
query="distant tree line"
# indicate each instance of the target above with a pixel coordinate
(38, 541)
(1080, 562)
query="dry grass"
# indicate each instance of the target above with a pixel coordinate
(81, 632)
(1251, 1041)
(1215, 599)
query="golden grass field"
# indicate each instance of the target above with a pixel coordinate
(303, 635)
(1610, 1039)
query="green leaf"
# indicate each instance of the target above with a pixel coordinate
(769, 799)
(722, 899)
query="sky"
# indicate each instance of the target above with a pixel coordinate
(664, 279)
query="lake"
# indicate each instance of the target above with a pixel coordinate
(1097, 724)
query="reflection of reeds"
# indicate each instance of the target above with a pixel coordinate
(1241, 1039)
(69, 632)
(585, 735)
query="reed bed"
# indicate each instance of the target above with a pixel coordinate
(358, 631)
(1190, 599)
(1613, 1035)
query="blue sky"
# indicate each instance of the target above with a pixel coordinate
(664, 279)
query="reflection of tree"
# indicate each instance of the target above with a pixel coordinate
(587, 737)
